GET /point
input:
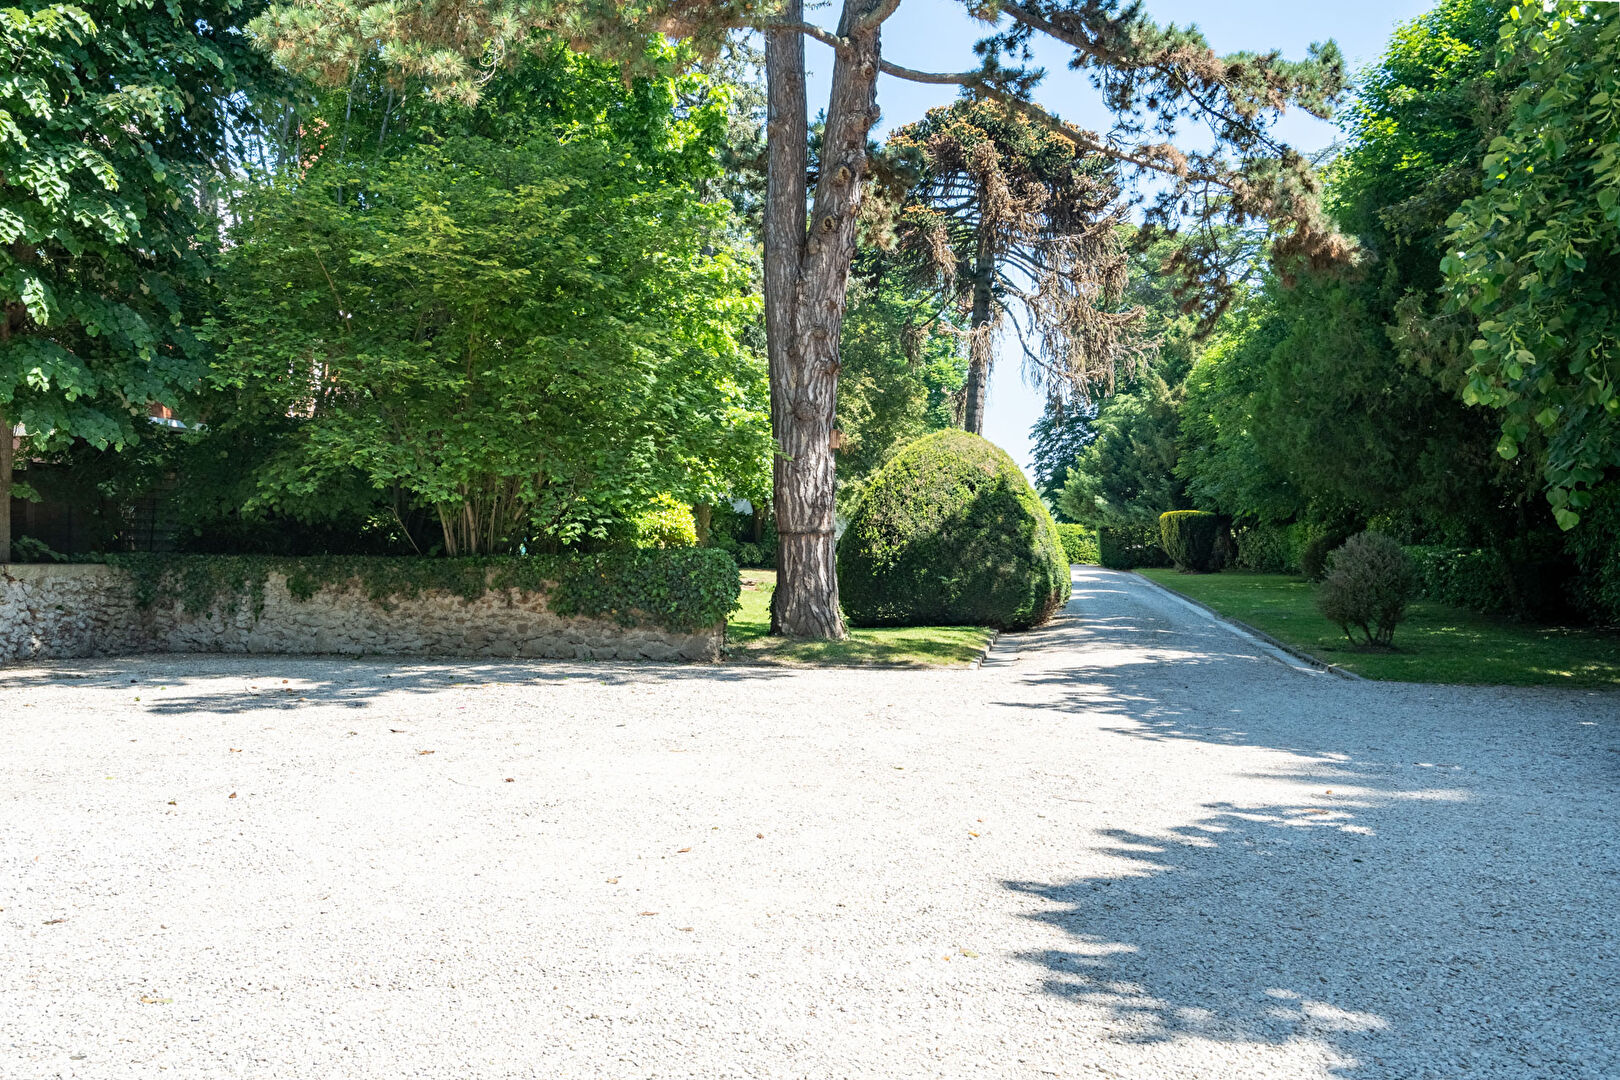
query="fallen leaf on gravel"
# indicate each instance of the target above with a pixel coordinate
(511, 779)
(970, 954)
(173, 803)
(759, 836)
(148, 1000)
(53, 922)
(973, 834)
(397, 730)
(682, 851)
(233, 750)
(647, 913)
(612, 881)
(419, 753)
(232, 795)
(684, 929)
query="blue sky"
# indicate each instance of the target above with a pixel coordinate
(937, 35)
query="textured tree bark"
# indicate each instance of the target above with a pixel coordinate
(806, 280)
(6, 454)
(978, 380)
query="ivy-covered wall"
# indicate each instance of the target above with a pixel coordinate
(640, 606)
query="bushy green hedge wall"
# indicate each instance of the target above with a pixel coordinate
(1469, 578)
(1263, 549)
(1189, 537)
(1080, 544)
(679, 589)
(1126, 548)
(950, 533)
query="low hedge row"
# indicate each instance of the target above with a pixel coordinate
(1080, 544)
(1130, 547)
(1472, 578)
(680, 589)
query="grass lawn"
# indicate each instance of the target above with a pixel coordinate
(1436, 643)
(747, 637)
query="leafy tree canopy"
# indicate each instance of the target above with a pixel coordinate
(1535, 257)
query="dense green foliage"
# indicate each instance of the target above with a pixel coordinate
(666, 523)
(1190, 538)
(1126, 547)
(117, 121)
(1079, 543)
(1369, 583)
(903, 366)
(1056, 442)
(529, 336)
(1535, 258)
(1464, 367)
(678, 590)
(950, 533)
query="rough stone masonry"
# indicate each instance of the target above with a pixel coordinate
(65, 611)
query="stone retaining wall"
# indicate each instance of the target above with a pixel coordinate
(63, 611)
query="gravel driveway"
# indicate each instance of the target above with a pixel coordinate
(1133, 844)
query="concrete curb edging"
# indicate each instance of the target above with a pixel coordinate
(984, 653)
(1243, 629)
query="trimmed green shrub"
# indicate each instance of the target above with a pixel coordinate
(1079, 544)
(667, 523)
(1128, 547)
(1369, 582)
(949, 533)
(682, 589)
(1262, 549)
(1189, 537)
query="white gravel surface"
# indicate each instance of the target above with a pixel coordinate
(1131, 845)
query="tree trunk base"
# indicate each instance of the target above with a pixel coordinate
(805, 603)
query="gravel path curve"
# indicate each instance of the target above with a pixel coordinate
(1132, 844)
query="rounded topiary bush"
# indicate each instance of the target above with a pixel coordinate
(1369, 582)
(949, 533)
(1190, 537)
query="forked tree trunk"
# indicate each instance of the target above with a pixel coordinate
(806, 278)
(6, 462)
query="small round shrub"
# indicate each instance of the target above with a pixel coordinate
(667, 523)
(1369, 582)
(950, 533)
(1190, 538)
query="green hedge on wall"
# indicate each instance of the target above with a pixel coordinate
(1080, 544)
(680, 589)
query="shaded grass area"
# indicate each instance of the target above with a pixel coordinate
(748, 638)
(1436, 643)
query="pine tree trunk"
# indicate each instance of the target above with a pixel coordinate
(6, 462)
(978, 379)
(806, 279)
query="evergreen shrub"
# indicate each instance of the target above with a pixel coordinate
(950, 533)
(1190, 537)
(1369, 582)
(1079, 543)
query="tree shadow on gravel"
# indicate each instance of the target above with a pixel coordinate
(290, 682)
(1420, 898)
(1299, 927)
